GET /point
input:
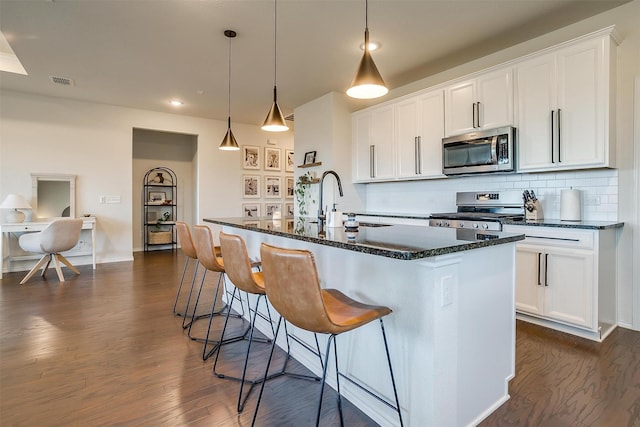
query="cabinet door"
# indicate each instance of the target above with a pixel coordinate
(431, 127)
(569, 286)
(459, 108)
(536, 100)
(362, 169)
(373, 145)
(495, 99)
(407, 142)
(582, 105)
(529, 286)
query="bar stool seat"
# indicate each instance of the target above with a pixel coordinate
(293, 288)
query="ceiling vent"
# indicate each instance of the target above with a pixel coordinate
(289, 117)
(62, 81)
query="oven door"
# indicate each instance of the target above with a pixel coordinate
(469, 156)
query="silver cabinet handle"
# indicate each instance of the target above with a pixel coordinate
(546, 269)
(478, 113)
(417, 152)
(559, 137)
(372, 161)
(473, 115)
(539, 255)
(552, 134)
(420, 155)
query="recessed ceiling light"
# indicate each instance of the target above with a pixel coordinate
(176, 103)
(372, 46)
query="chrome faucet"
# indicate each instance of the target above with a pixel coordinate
(321, 214)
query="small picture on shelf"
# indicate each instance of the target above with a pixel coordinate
(152, 217)
(272, 159)
(289, 160)
(157, 197)
(255, 224)
(309, 157)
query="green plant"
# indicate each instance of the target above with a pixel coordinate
(302, 195)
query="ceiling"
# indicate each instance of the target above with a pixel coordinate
(143, 53)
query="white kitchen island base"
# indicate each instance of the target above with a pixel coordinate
(451, 333)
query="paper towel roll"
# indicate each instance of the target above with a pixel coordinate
(570, 205)
(334, 219)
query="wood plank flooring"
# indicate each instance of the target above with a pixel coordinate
(103, 348)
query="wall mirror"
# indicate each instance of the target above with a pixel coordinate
(53, 196)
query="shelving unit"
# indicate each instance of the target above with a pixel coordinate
(311, 165)
(159, 194)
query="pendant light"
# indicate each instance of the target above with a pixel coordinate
(367, 82)
(275, 120)
(229, 142)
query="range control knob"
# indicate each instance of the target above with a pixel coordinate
(485, 226)
(462, 225)
(475, 225)
(446, 223)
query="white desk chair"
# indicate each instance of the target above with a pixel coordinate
(59, 236)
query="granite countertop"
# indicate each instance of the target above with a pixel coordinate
(585, 225)
(404, 242)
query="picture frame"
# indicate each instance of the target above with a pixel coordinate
(251, 186)
(289, 226)
(289, 187)
(251, 210)
(251, 157)
(157, 197)
(270, 208)
(152, 217)
(289, 161)
(288, 209)
(272, 159)
(255, 224)
(309, 157)
(273, 187)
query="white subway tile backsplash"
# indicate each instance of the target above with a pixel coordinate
(599, 192)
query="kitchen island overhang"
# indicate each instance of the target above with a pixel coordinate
(452, 330)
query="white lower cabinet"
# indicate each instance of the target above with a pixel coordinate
(565, 279)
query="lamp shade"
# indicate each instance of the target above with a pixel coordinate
(15, 201)
(229, 142)
(275, 119)
(367, 82)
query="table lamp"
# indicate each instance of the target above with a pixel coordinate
(15, 202)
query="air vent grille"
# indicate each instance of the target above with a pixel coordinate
(289, 117)
(62, 81)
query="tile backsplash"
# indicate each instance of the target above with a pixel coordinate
(599, 192)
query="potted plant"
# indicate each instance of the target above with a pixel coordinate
(302, 195)
(159, 235)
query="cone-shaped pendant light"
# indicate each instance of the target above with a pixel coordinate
(229, 142)
(367, 82)
(275, 120)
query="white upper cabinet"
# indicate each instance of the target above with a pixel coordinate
(484, 102)
(565, 107)
(374, 148)
(419, 125)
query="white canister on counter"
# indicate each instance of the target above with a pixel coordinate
(570, 205)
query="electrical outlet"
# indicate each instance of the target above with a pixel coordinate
(592, 201)
(446, 293)
(103, 199)
(113, 199)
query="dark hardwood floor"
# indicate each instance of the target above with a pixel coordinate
(103, 348)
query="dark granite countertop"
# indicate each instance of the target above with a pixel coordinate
(586, 225)
(393, 215)
(404, 242)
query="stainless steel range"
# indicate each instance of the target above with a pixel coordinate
(483, 210)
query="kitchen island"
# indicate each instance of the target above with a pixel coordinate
(452, 330)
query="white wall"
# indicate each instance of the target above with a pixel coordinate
(94, 142)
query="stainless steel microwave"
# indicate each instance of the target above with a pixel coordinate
(486, 151)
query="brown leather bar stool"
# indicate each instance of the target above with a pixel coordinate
(238, 267)
(210, 258)
(293, 288)
(188, 249)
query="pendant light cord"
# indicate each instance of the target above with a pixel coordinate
(229, 92)
(275, 49)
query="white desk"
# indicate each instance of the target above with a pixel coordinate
(89, 223)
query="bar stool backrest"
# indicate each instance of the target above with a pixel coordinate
(185, 240)
(205, 248)
(293, 287)
(238, 264)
